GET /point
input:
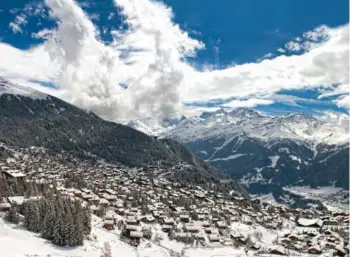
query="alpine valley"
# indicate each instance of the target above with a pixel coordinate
(268, 154)
(74, 184)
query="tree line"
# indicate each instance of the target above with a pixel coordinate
(57, 218)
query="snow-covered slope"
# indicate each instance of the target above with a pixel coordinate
(261, 150)
(222, 124)
(155, 127)
(7, 87)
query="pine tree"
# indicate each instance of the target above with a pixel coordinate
(12, 216)
(29, 190)
(67, 228)
(47, 229)
(57, 237)
(86, 220)
(36, 222)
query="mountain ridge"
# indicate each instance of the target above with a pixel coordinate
(30, 118)
(268, 152)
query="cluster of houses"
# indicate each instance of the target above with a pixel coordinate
(139, 205)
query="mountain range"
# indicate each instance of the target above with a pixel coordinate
(30, 118)
(266, 153)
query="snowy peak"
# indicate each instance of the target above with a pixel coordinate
(156, 127)
(206, 115)
(299, 127)
(222, 124)
(10, 88)
(244, 113)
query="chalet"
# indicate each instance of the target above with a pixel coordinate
(108, 224)
(111, 215)
(16, 200)
(94, 209)
(166, 228)
(148, 219)
(136, 234)
(199, 236)
(221, 224)
(181, 236)
(330, 222)
(184, 218)
(169, 221)
(303, 222)
(278, 251)
(132, 228)
(5, 206)
(132, 221)
(13, 175)
(314, 250)
(192, 228)
(214, 238)
(205, 224)
(340, 251)
(104, 202)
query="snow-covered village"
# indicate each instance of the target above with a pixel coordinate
(174, 128)
(138, 212)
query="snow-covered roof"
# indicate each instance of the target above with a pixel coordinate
(15, 173)
(16, 200)
(309, 222)
(136, 234)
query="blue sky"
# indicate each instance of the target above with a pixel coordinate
(233, 33)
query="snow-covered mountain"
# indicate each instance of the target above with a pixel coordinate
(266, 153)
(241, 121)
(156, 127)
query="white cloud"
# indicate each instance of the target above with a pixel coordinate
(26, 64)
(15, 27)
(325, 66)
(22, 15)
(309, 40)
(343, 101)
(17, 24)
(340, 119)
(190, 111)
(252, 102)
(149, 59)
(293, 46)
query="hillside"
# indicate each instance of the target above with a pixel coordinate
(29, 118)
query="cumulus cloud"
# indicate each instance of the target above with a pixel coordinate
(339, 119)
(325, 65)
(144, 71)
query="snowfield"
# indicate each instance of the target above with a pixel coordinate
(334, 198)
(16, 241)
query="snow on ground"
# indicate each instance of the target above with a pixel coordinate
(10, 88)
(267, 236)
(31, 244)
(231, 157)
(213, 252)
(18, 242)
(295, 158)
(269, 198)
(334, 198)
(274, 160)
